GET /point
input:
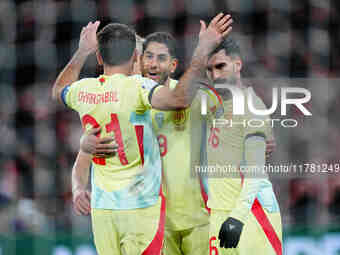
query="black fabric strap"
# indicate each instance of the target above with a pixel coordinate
(152, 91)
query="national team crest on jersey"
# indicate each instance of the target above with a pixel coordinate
(159, 117)
(179, 119)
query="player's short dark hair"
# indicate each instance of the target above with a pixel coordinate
(230, 46)
(116, 43)
(164, 38)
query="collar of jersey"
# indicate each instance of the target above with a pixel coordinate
(103, 78)
(172, 83)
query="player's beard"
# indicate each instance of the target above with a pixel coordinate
(223, 92)
(163, 77)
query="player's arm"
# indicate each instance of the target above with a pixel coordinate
(80, 177)
(184, 93)
(231, 229)
(99, 147)
(70, 74)
(270, 147)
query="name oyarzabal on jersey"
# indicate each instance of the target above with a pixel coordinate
(97, 98)
(120, 105)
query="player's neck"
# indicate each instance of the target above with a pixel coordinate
(119, 69)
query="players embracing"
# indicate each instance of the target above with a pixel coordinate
(187, 217)
(126, 201)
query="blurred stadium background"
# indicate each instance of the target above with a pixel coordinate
(280, 39)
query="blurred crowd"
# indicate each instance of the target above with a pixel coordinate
(280, 40)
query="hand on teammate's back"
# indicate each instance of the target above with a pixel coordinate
(100, 147)
(210, 37)
(88, 38)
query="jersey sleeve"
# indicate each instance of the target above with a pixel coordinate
(254, 162)
(69, 95)
(255, 135)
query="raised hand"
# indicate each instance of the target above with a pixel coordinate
(88, 38)
(87, 45)
(211, 36)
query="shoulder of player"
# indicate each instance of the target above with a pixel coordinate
(145, 83)
(213, 99)
(209, 91)
(85, 82)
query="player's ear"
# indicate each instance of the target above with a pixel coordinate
(238, 65)
(208, 75)
(174, 64)
(99, 58)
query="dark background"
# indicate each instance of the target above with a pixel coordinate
(39, 140)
